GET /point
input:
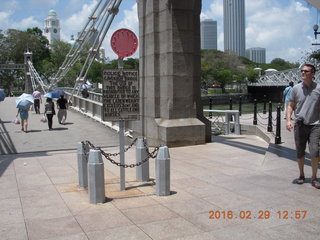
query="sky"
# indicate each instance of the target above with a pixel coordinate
(283, 27)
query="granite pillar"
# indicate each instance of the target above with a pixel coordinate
(169, 45)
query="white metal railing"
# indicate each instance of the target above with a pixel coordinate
(91, 108)
(228, 114)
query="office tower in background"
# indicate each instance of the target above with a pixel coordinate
(209, 35)
(256, 54)
(234, 26)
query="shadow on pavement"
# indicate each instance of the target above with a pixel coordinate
(241, 145)
(68, 123)
(6, 144)
(33, 131)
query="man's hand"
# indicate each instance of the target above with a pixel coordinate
(289, 125)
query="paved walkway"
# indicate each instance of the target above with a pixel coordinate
(236, 180)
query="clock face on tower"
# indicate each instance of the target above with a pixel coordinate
(55, 30)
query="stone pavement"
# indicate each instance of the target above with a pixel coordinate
(219, 190)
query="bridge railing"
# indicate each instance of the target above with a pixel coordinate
(91, 107)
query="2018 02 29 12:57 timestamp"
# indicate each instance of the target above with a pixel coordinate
(257, 214)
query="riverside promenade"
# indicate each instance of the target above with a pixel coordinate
(236, 187)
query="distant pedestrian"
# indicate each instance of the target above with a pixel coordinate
(85, 93)
(37, 100)
(305, 102)
(49, 111)
(24, 115)
(286, 96)
(62, 105)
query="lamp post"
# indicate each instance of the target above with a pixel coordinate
(315, 29)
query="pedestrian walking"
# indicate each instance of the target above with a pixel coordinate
(305, 103)
(286, 96)
(49, 111)
(24, 115)
(37, 100)
(62, 105)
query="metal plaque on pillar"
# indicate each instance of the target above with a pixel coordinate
(120, 95)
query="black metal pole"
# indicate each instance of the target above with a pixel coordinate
(230, 107)
(264, 104)
(270, 118)
(255, 121)
(240, 105)
(278, 126)
(210, 107)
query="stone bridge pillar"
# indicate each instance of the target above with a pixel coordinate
(169, 46)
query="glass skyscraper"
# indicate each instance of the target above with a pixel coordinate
(209, 34)
(234, 26)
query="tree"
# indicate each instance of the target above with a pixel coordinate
(223, 77)
(220, 67)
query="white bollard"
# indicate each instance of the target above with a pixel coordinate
(163, 172)
(142, 171)
(96, 177)
(82, 157)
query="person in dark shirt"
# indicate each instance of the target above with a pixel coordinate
(49, 111)
(62, 105)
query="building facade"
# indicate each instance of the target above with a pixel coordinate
(256, 54)
(234, 26)
(209, 39)
(52, 27)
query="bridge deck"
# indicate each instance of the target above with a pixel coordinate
(39, 138)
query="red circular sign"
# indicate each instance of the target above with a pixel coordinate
(124, 42)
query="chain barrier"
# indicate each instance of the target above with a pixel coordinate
(259, 114)
(108, 156)
(246, 118)
(264, 124)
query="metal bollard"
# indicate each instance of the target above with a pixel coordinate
(278, 126)
(96, 177)
(255, 121)
(210, 107)
(230, 108)
(240, 105)
(264, 104)
(82, 157)
(142, 171)
(269, 129)
(163, 172)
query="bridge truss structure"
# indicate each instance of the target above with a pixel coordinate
(87, 44)
(281, 78)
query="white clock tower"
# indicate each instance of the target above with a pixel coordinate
(52, 27)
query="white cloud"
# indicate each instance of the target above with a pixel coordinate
(281, 30)
(6, 22)
(214, 12)
(284, 28)
(76, 22)
(42, 3)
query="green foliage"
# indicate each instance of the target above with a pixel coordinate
(220, 67)
(225, 68)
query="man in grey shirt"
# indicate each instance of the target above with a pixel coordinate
(305, 102)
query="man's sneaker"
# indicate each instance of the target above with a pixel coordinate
(300, 180)
(315, 183)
